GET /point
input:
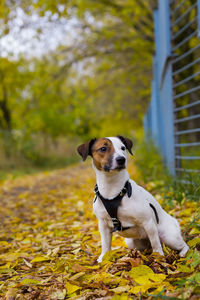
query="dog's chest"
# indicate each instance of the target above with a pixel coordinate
(123, 213)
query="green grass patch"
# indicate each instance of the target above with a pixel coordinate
(155, 175)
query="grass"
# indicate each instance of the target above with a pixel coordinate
(156, 176)
(20, 157)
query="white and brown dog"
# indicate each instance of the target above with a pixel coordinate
(122, 205)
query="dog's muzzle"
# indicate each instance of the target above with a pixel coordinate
(121, 161)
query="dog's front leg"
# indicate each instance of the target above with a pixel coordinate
(152, 233)
(106, 238)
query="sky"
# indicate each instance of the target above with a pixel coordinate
(23, 38)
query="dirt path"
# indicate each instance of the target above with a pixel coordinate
(49, 243)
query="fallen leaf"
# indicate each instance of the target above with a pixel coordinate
(40, 259)
(71, 288)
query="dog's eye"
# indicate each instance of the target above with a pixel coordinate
(103, 149)
(123, 148)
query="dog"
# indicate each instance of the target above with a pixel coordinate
(123, 206)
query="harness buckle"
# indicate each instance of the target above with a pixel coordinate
(115, 221)
(96, 188)
(117, 225)
(123, 192)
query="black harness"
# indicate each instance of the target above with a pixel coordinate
(111, 205)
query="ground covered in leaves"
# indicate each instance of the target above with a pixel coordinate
(49, 243)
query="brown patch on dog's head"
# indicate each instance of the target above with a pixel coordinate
(102, 153)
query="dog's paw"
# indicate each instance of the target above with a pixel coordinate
(160, 251)
(184, 251)
(100, 258)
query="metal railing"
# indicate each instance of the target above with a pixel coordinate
(173, 117)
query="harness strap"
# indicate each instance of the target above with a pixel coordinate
(155, 212)
(111, 205)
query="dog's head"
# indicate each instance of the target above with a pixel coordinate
(108, 153)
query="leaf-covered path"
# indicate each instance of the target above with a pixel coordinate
(49, 243)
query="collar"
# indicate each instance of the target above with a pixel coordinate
(111, 205)
(126, 189)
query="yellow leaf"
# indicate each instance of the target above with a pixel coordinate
(7, 271)
(40, 259)
(140, 271)
(76, 276)
(144, 288)
(157, 277)
(186, 212)
(185, 269)
(12, 256)
(147, 279)
(150, 279)
(120, 297)
(139, 289)
(5, 266)
(194, 242)
(120, 289)
(11, 294)
(194, 231)
(26, 241)
(109, 256)
(28, 281)
(3, 243)
(71, 288)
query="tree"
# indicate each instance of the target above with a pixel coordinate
(98, 83)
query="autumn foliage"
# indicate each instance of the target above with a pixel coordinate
(49, 243)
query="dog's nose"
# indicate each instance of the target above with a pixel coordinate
(120, 160)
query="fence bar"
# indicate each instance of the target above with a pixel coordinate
(187, 131)
(185, 40)
(187, 157)
(186, 79)
(188, 170)
(183, 15)
(187, 92)
(187, 118)
(183, 28)
(186, 54)
(187, 66)
(187, 144)
(178, 7)
(187, 106)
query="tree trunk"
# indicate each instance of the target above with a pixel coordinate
(6, 113)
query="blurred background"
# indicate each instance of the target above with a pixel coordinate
(72, 70)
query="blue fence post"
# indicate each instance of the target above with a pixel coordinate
(154, 122)
(161, 112)
(160, 137)
(198, 17)
(165, 85)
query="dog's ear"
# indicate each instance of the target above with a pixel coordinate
(85, 149)
(127, 142)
